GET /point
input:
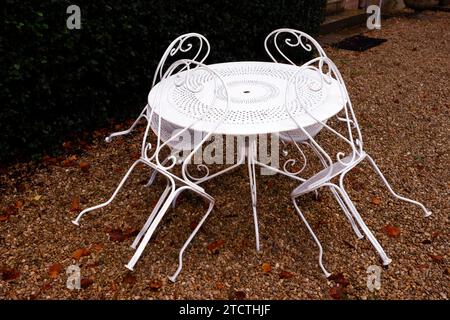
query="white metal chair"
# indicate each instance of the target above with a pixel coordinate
(344, 162)
(153, 157)
(295, 38)
(198, 47)
(194, 45)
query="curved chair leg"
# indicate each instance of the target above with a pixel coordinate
(363, 226)
(375, 167)
(76, 221)
(154, 173)
(151, 217)
(157, 220)
(121, 133)
(152, 179)
(327, 274)
(337, 197)
(173, 278)
(174, 202)
(150, 231)
(347, 213)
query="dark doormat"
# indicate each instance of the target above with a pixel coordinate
(359, 43)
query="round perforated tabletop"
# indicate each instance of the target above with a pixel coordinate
(257, 92)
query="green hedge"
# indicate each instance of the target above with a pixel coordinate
(57, 81)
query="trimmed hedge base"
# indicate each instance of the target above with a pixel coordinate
(57, 81)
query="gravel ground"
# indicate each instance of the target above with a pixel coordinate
(400, 95)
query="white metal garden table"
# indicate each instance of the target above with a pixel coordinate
(259, 102)
(246, 100)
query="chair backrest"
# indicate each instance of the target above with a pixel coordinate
(352, 136)
(188, 75)
(193, 46)
(291, 38)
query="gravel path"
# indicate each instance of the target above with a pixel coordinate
(401, 98)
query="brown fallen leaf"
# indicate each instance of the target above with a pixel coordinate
(69, 162)
(94, 264)
(286, 275)
(155, 285)
(113, 287)
(193, 224)
(10, 274)
(116, 235)
(119, 235)
(214, 246)
(86, 282)
(47, 160)
(437, 258)
(239, 295)
(266, 267)
(54, 270)
(84, 145)
(3, 217)
(82, 252)
(220, 285)
(296, 167)
(46, 286)
(84, 166)
(11, 210)
(376, 200)
(67, 145)
(18, 204)
(35, 295)
(129, 278)
(66, 163)
(97, 247)
(435, 235)
(422, 267)
(131, 232)
(392, 231)
(339, 279)
(336, 292)
(75, 206)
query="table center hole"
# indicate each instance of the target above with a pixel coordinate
(247, 91)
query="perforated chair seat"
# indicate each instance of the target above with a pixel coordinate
(169, 129)
(322, 176)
